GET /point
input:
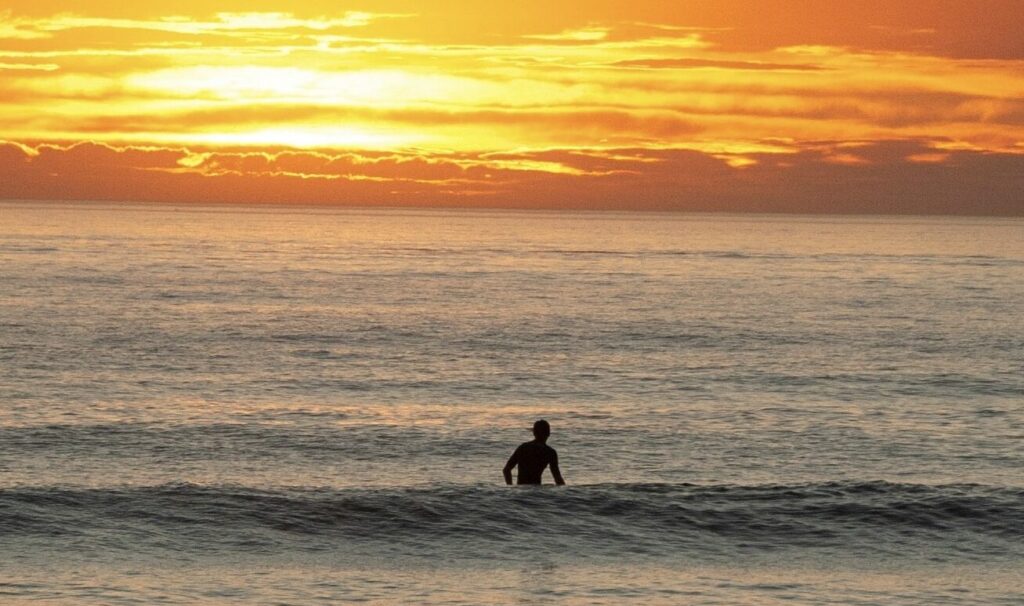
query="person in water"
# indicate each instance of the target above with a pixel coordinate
(532, 457)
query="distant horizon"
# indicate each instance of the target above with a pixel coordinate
(354, 206)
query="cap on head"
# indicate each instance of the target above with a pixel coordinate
(541, 429)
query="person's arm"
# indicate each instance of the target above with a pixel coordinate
(555, 472)
(512, 462)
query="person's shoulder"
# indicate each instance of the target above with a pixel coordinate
(551, 450)
(524, 445)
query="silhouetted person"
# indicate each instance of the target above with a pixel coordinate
(532, 457)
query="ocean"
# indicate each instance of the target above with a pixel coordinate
(272, 405)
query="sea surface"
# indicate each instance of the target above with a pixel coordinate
(312, 406)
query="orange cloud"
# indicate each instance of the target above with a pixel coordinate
(897, 177)
(693, 63)
(710, 104)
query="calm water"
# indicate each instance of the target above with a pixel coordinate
(312, 406)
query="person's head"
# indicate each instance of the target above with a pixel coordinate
(541, 430)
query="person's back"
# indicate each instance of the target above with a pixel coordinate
(533, 457)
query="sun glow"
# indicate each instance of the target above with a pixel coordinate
(310, 101)
(310, 138)
(373, 88)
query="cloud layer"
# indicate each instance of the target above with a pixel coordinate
(906, 177)
(712, 105)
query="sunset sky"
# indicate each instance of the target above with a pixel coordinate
(914, 106)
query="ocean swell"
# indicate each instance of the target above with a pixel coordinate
(946, 522)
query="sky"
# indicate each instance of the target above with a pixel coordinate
(810, 106)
